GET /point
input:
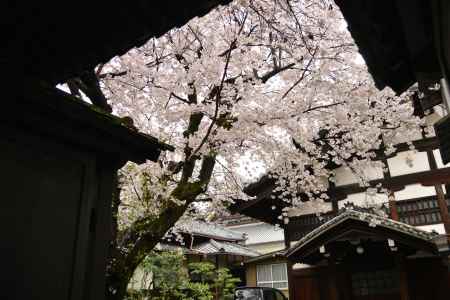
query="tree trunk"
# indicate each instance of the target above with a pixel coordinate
(137, 241)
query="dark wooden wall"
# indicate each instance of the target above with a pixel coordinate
(54, 218)
(427, 279)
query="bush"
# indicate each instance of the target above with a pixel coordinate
(165, 277)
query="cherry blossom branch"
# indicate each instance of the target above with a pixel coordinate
(264, 78)
(303, 73)
(216, 110)
(300, 27)
(230, 173)
(112, 74)
(323, 106)
(134, 189)
(179, 98)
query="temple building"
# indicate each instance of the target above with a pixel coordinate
(361, 243)
(346, 249)
(350, 251)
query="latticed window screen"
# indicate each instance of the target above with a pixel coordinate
(421, 211)
(375, 283)
(274, 275)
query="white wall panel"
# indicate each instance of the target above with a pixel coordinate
(414, 191)
(398, 165)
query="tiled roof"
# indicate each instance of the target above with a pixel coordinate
(212, 247)
(216, 247)
(210, 230)
(371, 219)
(236, 219)
(170, 247)
(279, 253)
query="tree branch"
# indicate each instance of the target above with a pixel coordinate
(207, 168)
(303, 74)
(323, 106)
(216, 110)
(274, 72)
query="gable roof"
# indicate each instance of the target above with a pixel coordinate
(371, 222)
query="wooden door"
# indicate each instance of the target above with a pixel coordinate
(309, 284)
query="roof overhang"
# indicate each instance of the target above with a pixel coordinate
(280, 254)
(51, 113)
(352, 223)
(397, 40)
(56, 41)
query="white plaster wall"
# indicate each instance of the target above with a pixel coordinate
(398, 165)
(259, 233)
(403, 163)
(345, 176)
(414, 191)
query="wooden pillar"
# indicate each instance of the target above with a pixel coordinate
(332, 192)
(443, 208)
(332, 279)
(403, 277)
(289, 264)
(393, 211)
(291, 279)
(442, 203)
(287, 239)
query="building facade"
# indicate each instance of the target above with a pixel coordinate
(199, 241)
(410, 191)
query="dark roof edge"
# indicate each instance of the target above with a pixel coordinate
(273, 254)
(364, 217)
(49, 111)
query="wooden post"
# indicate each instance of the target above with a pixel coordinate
(403, 278)
(334, 201)
(291, 282)
(332, 276)
(287, 239)
(443, 209)
(393, 211)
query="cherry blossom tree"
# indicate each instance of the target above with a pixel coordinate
(255, 86)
